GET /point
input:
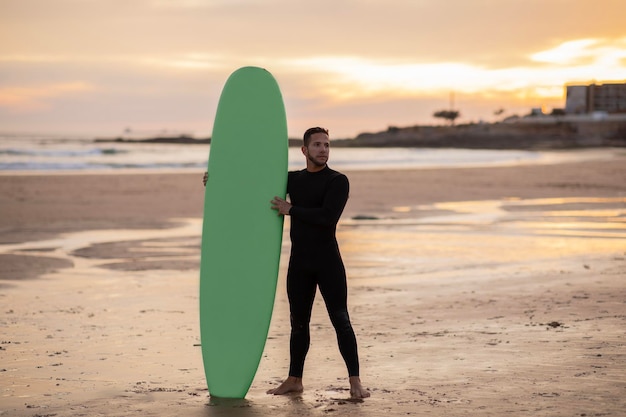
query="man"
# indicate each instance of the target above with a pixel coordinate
(317, 196)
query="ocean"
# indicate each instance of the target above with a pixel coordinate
(20, 154)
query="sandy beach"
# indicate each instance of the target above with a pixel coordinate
(473, 292)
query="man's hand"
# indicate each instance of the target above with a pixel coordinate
(282, 206)
(205, 178)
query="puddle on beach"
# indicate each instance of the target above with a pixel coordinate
(137, 249)
(483, 235)
(426, 238)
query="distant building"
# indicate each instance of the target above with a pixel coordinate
(537, 111)
(596, 98)
(576, 101)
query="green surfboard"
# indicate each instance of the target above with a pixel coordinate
(241, 234)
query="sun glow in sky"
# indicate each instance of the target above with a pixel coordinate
(97, 67)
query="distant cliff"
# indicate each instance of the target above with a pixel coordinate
(540, 134)
(165, 139)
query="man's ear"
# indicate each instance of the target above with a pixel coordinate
(304, 150)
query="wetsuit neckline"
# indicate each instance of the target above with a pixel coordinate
(326, 168)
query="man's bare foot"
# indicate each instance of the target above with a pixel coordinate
(291, 384)
(356, 389)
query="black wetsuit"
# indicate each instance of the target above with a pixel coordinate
(318, 199)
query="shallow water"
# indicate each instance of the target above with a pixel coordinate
(59, 154)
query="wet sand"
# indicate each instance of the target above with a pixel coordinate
(475, 291)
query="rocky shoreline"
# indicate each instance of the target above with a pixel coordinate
(523, 135)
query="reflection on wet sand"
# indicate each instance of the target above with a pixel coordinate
(457, 234)
(484, 234)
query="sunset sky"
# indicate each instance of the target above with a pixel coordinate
(97, 67)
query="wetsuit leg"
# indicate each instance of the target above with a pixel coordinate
(333, 287)
(301, 288)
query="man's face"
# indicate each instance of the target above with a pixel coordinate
(318, 150)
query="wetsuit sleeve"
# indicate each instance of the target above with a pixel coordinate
(335, 200)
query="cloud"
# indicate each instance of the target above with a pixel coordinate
(583, 52)
(32, 59)
(28, 99)
(186, 61)
(204, 4)
(352, 78)
(571, 52)
(191, 60)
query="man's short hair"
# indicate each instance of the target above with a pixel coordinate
(310, 132)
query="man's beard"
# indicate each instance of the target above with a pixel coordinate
(315, 162)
